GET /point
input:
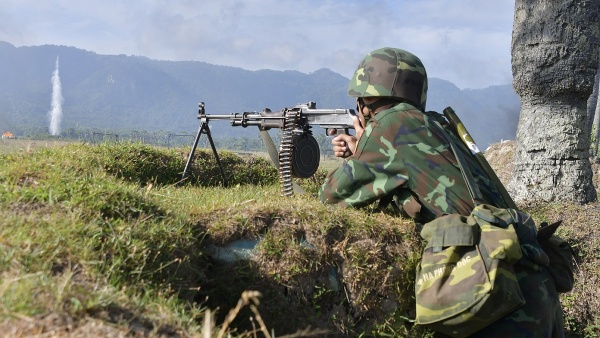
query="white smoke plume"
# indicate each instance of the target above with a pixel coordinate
(57, 100)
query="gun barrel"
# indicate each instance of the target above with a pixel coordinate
(248, 119)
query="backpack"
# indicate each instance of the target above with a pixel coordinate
(466, 278)
(560, 254)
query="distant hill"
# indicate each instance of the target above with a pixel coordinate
(136, 93)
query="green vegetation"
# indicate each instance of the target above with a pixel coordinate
(107, 232)
(105, 239)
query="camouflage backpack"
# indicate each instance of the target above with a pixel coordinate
(466, 280)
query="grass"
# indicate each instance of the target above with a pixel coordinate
(106, 241)
(108, 234)
(22, 145)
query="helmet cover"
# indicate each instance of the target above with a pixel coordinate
(391, 72)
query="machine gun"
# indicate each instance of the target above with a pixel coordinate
(299, 153)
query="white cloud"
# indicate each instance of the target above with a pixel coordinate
(464, 41)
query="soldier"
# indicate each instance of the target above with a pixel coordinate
(400, 160)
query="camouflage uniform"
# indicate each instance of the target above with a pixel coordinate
(402, 157)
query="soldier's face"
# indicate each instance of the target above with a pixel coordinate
(365, 112)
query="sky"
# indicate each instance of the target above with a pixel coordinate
(466, 42)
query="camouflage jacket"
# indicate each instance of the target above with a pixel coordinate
(403, 157)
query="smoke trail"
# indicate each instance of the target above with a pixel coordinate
(56, 113)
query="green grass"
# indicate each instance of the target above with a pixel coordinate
(24, 145)
(84, 227)
(109, 233)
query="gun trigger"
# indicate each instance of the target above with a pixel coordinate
(333, 132)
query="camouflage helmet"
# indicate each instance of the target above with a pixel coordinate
(391, 72)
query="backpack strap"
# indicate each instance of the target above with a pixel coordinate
(461, 132)
(472, 186)
(467, 175)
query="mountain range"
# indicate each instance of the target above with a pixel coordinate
(120, 92)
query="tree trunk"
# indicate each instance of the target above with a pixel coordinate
(554, 61)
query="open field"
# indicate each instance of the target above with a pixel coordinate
(21, 145)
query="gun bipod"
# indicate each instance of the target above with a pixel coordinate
(203, 129)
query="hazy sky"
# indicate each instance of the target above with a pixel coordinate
(463, 41)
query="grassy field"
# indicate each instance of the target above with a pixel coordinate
(20, 145)
(106, 241)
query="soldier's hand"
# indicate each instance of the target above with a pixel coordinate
(359, 127)
(343, 145)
